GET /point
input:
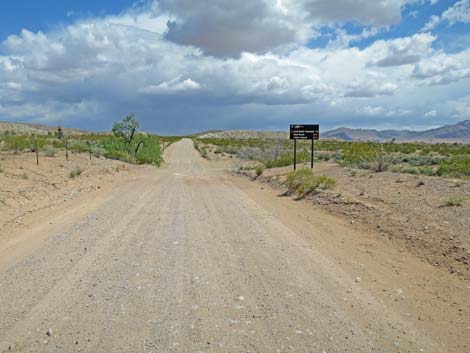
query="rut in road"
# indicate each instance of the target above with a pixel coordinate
(185, 261)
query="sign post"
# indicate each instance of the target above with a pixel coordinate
(295, 154)
(304, 132)
(312, 156)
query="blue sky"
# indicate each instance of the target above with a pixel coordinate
(46, 15)
(185, 66)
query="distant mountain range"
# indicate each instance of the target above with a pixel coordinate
(449, 133)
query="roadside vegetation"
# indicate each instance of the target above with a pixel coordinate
(125, 143)
(304, 182)
(449, 160)
(75, 172)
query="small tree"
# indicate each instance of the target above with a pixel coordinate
(126, 129)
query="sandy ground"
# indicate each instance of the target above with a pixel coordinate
(408, 209)
(27, 187)
(190, 259)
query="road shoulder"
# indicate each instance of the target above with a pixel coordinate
(430, 298)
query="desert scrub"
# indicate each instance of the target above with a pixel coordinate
(24, 176)
(362, 155)
(75, 172)
(98, 151)
(259, 170)
(304, 182)
(454, 201)
(50, 151)
(326, 155)
(202, 148)
(77, 145)
(457, 166)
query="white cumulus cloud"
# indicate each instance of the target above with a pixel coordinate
(457, 13)
(224, 66)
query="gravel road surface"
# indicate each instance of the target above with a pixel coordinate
(184, 260)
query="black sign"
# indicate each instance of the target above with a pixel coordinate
(304, 132)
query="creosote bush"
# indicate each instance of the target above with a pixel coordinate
(366, 156)
(419, 158)
(304, 182)
(457, 166)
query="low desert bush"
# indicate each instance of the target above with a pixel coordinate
(24, 176)
(370, 156)
(454, 201)
(455, 166)
(304, 182)
(259, 170)
(50, 151)
(325, 155)
(98, 151)
(78, 145)
(75, 172)
(410, 170)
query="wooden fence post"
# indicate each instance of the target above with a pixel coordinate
(66, 150)
(36, 148)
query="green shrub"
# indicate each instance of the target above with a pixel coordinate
(50, 151)
(110, 146)
(78, 145)
(455, 166)
(454, 201)
(304, 182)
(325, 155)
(24, 176)
(98, 151)
(259, 170)
(428, 170)
(366, 156)
(75, 172)
(149, 151)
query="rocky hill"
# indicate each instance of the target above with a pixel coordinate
(459, 132)
(24, 128)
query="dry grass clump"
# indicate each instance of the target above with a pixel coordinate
(454, 201)
(304, 182)
(259, 170)
(75, 172)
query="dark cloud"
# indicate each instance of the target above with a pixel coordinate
(227, 27)
(95, 71)
(369, 12)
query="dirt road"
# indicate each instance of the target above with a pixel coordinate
(190, 259)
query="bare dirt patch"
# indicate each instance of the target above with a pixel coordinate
(429, 215)
(26, 187)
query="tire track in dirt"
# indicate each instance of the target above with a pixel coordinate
(184, 260)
